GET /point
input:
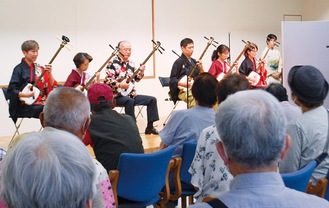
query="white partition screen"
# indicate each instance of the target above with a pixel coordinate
(306, 43)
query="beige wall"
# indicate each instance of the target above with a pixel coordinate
(315, 10)
(92, 26)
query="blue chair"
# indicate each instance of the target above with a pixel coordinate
(299, 180)
(187, 189)
(141, 178)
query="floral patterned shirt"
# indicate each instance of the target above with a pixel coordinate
(209, 174)
(118, 70)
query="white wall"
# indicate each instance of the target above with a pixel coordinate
(91, 26)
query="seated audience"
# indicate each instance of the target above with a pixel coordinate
(209, 174)
(109, 132)
(252, 127)
(309, 132)
(186, 125)
(68, 109)
(48, 170)
(280, 93)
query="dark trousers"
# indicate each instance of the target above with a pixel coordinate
(30, 111)
(129, 104)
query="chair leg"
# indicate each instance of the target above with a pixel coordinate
(164, 123)
(140, 109)
(17, 129)
(121, 109)
(183, 198)
(158, 206)
(190, 200)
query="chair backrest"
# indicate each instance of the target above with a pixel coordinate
(164, 81)
(298, 180)
(4, 90)
(187, 158)
(142, 176)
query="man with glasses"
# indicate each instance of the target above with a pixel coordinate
(118, 71)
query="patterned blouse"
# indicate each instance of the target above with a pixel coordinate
(209, 174)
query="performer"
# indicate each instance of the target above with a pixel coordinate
(220, 66)
(273, 61)
(79, 77)
(183, 67)
(117, 72)
(249, 67)
(28, 71)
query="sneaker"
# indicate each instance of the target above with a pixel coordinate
(151, 131)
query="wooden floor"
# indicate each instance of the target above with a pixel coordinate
(150, 142)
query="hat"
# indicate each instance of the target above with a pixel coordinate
(308, 83)
(99, 93)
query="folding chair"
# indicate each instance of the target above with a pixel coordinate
(165, 83)
(19, 118)
(139, 113)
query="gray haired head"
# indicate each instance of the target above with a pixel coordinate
(252, 127)
(48, 170)
(67, 109)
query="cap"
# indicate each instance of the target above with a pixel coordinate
(100, 93)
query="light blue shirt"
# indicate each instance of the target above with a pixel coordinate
(186, 125)
(265, 190)
(308, 138)
(291, 112)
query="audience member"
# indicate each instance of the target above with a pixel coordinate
(48, 170)
(209, 174)
(252, 127)
(68, 109)
(110, 133)
(186, 125)
(309, 132)
(280, 93)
